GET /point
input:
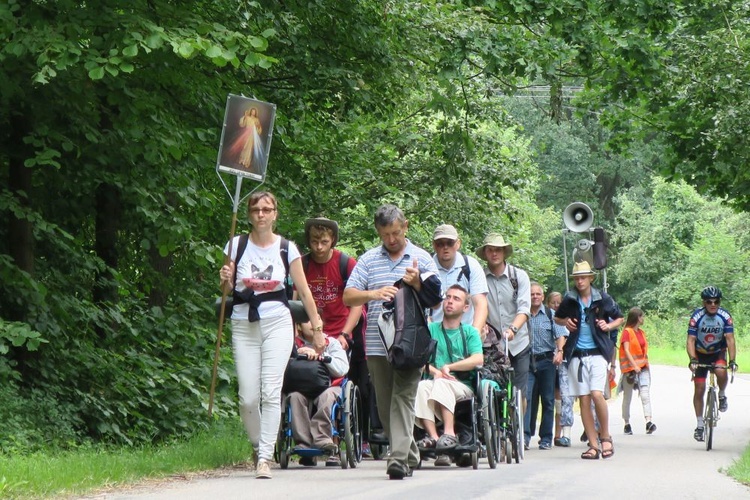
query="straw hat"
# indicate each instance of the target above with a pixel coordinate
(582, 269)
(494, 240)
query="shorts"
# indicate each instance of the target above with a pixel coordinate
(718, 357)
(587, 374)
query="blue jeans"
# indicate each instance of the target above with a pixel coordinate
(541, 387)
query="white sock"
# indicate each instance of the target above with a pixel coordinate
(700, 422)
(566, 431)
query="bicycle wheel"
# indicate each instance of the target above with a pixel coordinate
(489, 421)
(709, 420)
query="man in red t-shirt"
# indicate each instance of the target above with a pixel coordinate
(325, 269)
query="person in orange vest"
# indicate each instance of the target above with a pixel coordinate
(634, 368)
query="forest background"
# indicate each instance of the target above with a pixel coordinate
(490, 115)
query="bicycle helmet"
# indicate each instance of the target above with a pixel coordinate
(710, 292)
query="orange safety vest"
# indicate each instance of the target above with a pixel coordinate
(639, 355)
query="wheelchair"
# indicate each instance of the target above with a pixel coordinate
(345, 417)
(509, 406)
(477, 426)
(503, 404)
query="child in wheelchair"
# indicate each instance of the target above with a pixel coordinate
(313, 384)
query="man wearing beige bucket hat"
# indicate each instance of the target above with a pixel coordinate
(590, 315)
(509, 304)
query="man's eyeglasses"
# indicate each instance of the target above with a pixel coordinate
(445, 243)
(712, 302)
(264, 210)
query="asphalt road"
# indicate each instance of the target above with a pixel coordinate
(666, 464)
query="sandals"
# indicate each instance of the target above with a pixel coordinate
(609, 452)
(446, 443)
(426, 443)
(588, 455)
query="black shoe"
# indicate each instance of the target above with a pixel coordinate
(723, 403)
(308, 461)
(378, 437)
(698, 434)
(584, 437)
(629, 430)
(398, 471)
(650, 427)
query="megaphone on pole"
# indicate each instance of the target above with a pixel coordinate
(578, 217)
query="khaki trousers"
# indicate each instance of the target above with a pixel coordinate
(396, 392)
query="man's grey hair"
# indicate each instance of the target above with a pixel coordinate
(388, 214)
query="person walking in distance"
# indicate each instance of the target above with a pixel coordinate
(635, 369)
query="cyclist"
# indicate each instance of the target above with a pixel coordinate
(710, 335)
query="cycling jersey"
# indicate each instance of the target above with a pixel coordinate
(709, 331)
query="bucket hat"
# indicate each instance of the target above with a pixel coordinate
(494, 240)
(322, 221)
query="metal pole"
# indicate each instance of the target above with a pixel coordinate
(225, 292)
(565, 259)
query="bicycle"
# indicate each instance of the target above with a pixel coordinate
(711, 408)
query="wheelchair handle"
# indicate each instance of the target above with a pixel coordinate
(324, 359)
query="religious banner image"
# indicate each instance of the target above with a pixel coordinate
(246, 137)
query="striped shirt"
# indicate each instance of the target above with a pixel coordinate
(374, 270)
(544, 332)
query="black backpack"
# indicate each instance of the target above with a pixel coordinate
(403, 325)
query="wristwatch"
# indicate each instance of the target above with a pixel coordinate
(513, 328)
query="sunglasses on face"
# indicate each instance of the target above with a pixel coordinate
(445, 243)
(712, 302)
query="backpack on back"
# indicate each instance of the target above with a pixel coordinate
(403, 325)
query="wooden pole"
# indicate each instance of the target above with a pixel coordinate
(225, 292)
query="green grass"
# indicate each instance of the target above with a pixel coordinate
(81, 471)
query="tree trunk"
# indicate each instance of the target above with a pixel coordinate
(108, 220)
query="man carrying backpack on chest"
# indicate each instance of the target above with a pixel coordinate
(372, 283)
(455, 267)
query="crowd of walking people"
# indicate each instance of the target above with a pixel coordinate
(562, 350)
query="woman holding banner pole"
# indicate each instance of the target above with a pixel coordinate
(262, 330)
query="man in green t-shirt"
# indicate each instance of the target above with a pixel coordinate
(459, 351)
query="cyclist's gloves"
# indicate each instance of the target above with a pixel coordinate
(693, 364)
(733, 366)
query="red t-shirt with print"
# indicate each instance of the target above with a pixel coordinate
(327, 287)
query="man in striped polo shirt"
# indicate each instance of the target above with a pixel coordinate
(371, 282)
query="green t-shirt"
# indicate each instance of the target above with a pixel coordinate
(473, 343)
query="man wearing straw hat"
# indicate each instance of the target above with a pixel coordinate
(509, 304)
(590, 315)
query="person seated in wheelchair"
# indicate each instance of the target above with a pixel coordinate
(312, 391)
(459, 353)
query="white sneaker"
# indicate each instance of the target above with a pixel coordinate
(263, 471)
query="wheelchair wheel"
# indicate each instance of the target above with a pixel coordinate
(518, 399)
(283, 448)
(516, 429)
(489, 424)
(507, 450)
(352, 435)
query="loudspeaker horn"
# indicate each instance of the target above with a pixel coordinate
(578, 217)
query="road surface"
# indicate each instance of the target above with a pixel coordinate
(666, 464)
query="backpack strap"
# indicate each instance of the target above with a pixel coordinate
(241, 246)
(344, 267)
(465, 271)
(513, 277)
(284, 251)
